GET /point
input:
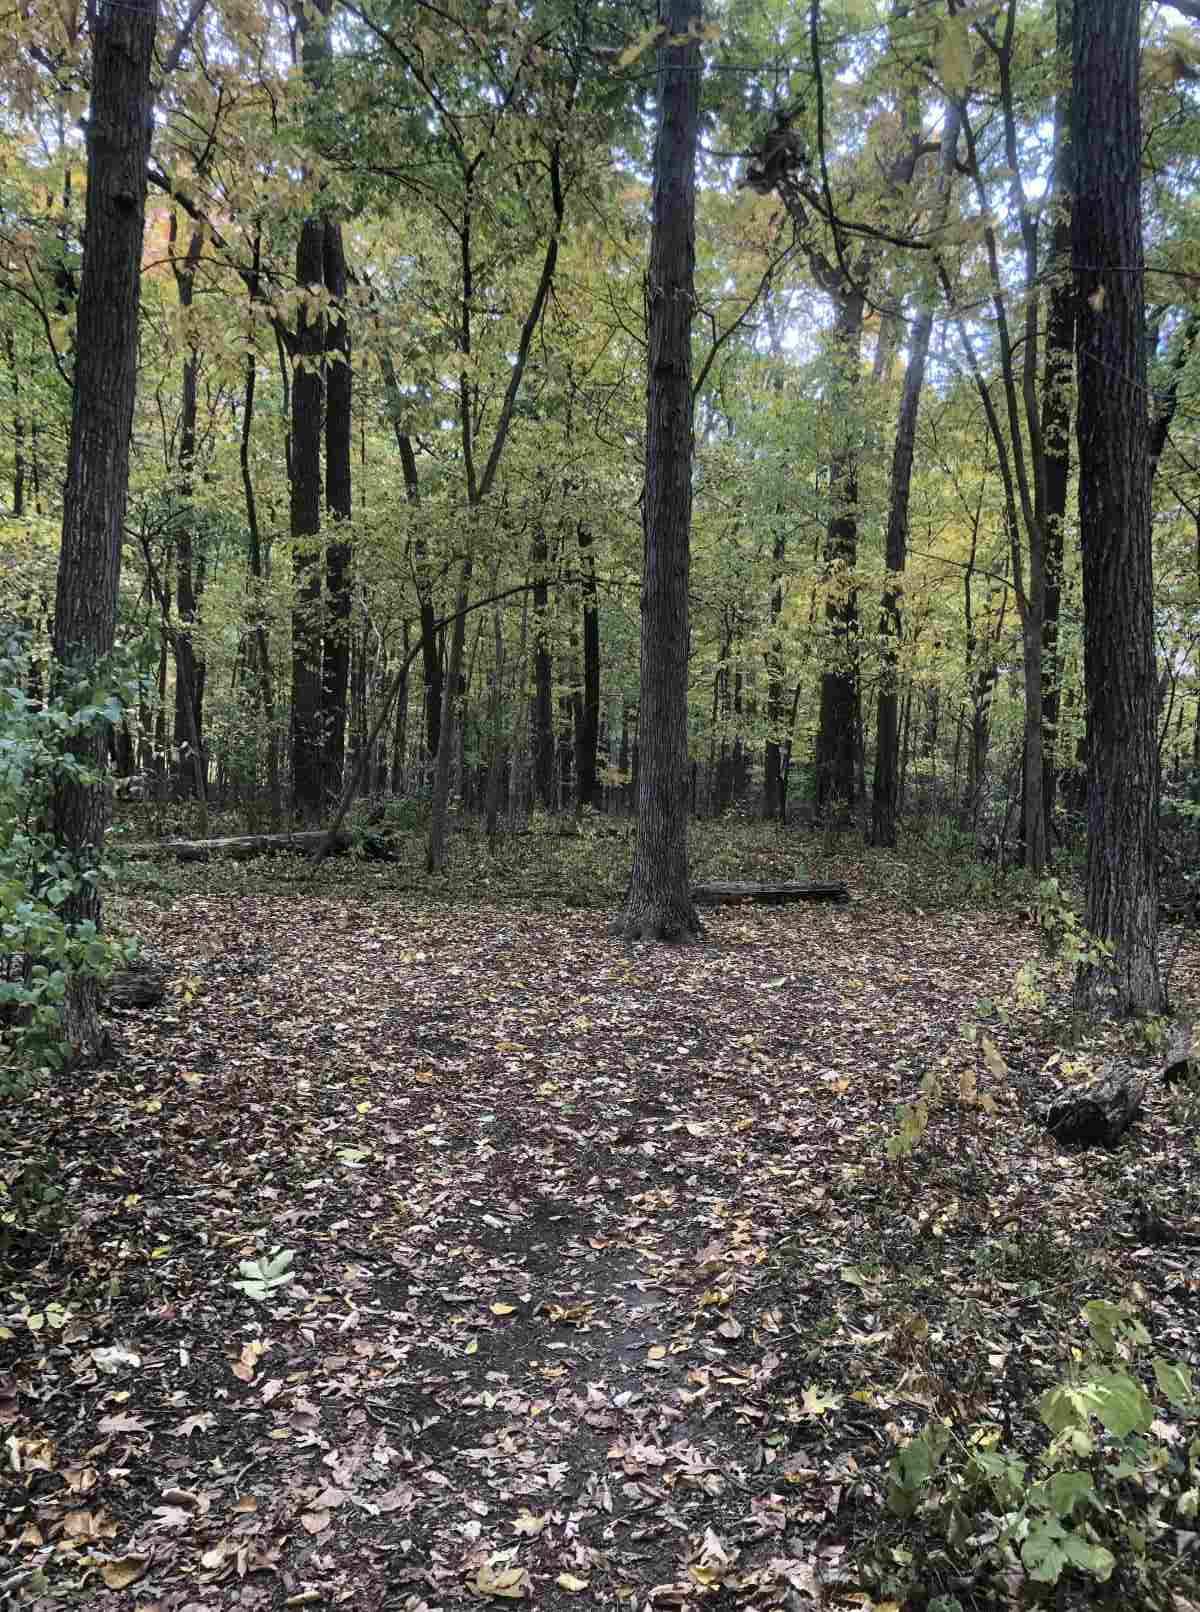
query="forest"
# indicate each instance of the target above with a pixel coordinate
(600, 803)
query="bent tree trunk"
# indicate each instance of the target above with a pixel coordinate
(1114, 512)
(659, 904)
(97, 484)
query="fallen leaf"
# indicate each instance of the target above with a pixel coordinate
(126, 1570)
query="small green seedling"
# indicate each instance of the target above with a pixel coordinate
(263, 1277)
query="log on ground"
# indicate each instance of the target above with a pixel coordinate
(1100, 1113)
(241, 847)
(721, 893)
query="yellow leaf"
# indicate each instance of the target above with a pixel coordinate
(568, 1581)
(508, 1582)
(119, 1575)
(658, 1352)
(991, 1057)
(472, 1347)
(503, 1309)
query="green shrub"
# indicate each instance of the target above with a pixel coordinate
(40, 952)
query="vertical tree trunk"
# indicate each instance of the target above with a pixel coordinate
(305, 467)
(659, 903)
(542, 712)
(189, 766)
(335, 657)
(885, 792)
(774, 790)
(1056, 406)
(587, 724)
(97, 483)
(838, 724)
(1114, 511)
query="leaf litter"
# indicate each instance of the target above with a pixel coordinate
(419, 1257)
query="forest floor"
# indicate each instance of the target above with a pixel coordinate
(604, 1289)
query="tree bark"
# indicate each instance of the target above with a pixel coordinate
(305, 470)
(105, 382)
(885, 792)
(659, 903)
(840, 691)
(542, 702)
(1056, 408)
(189, 765)
(587, 718)
(339, 554)
(1114, 512)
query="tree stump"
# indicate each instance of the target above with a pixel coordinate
(1181, 1061)
(1099, 1114)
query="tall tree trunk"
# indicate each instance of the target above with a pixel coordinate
(542, 713)
(885, 792)
(659, 903)
(587, 722)
(839, 717)
(335, 657)
(1056, 407)
(189, 767)
(305, 467)
(774, 788)
(105, 381)
(1114, 511)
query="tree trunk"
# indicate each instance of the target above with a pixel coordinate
(659, 904)
(305, 469)
(335, 657)
(1056, 407)
(542, 712)
(189, 765)
(774, 790)
(105, 380)
(885, 792)
(1114, 512)
(587, 724)
(839, 718)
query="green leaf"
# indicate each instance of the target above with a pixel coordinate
(1175, 1381)
(1121, 1403)
(1043, 1551)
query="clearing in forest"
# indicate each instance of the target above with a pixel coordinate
(602, 1287)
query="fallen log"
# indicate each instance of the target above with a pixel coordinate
(241, 847)
(723, 892)
(1099, 1114)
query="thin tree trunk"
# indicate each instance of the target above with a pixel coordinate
(305, 465)
(339, 554)
(587, 725)
(542, 713)
(886, 784)
(189, 766)
(1056, 407)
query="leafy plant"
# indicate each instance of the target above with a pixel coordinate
(39, 951)
(261, 1279)
(1114, 1477)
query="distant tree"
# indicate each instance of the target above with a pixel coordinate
(659, 903)
(94, 499)
(1114, 510)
